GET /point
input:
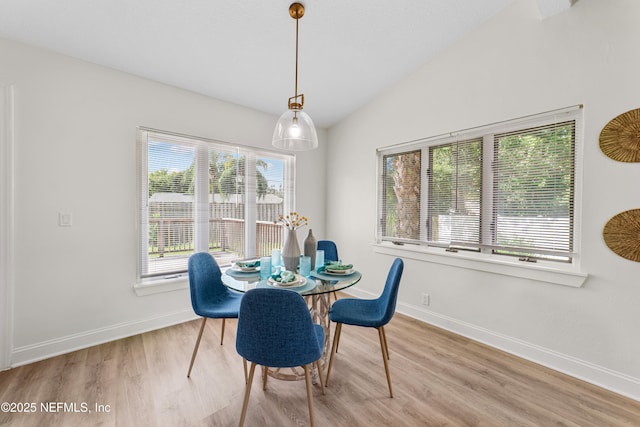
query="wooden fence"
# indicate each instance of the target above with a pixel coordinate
(175, 235)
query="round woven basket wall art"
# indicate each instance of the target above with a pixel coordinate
(622, 234)
(620, 138)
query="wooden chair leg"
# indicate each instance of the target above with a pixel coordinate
(244, 365)
(385, 357)
(222, 333)
(336, 332)
(247, 392)
(265, 376)
(195, 349)
(320, 375)
(307, 379)
(386, 346)
(336, 338)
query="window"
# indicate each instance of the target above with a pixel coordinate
(505, 189)
(202, 195)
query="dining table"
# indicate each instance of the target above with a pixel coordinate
(315, 288)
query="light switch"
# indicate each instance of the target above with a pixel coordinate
(65, 219)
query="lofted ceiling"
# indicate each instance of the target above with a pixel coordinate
(244, 52)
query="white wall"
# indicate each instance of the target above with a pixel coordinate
(514, 65)
(72, 287)
(75, 152)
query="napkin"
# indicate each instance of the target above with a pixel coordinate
(284, 277)
(248, 264)
(338, 265)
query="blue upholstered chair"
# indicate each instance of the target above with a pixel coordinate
(330, 250)
(374, 313)
(275, 330)
(330, 253)
(210, 298)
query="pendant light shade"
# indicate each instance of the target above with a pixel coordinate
(295, 130)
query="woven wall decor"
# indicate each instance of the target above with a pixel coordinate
(620, 138)
(622, 234)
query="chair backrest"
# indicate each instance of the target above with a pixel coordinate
(330, 250)
(205, 281)
(389, 296)
(275, 329)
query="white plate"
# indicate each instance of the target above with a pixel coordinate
(245, 269)
(237, 269)
(297, 282)
(338, 272)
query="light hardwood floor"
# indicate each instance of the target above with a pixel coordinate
(438, 379)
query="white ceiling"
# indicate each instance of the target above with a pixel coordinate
(244, 52)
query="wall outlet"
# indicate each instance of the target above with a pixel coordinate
(65, 219)
(425, 299)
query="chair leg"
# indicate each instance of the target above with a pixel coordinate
(336, 338)
(307, 379)
(386, 346)
(320, 375)
(222, 333)
(247, 392)
(195, 349)
(265, 376)
(244, 365)
(385, 357)
(336, 332)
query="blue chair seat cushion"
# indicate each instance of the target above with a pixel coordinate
(358, 312)
(225, 306)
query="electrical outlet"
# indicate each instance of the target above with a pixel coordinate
(425, 299)
(65, 219)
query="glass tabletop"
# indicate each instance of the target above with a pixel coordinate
(316, 284)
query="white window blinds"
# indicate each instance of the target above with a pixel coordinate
(504, 189)
(455, 189)
(202, 195)
(534, 190)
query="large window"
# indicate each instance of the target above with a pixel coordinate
(505, 189)
(202, 195)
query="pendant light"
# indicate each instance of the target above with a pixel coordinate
(294, 130)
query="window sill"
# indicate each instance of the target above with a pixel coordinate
(487, 263)
(156, 286)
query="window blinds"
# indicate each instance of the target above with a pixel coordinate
(534, 190)
(507, 188)
(201, 195)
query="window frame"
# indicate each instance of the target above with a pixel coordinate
(146, 283)
(484, 258)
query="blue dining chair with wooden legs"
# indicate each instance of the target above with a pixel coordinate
(275, 330)
(330, 249)
(210, 298)
(370, 313)
(330, 254)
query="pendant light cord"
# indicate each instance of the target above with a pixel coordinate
(297, 19)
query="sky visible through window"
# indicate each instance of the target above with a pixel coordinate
(176, 158)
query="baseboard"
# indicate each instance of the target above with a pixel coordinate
(602, 377)
(69, 343)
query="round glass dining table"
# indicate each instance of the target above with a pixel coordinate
(316, 290)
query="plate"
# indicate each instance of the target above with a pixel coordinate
(297, 282)
(245, 269)
(338, 272)
(252, 269)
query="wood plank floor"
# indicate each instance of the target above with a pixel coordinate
(439, 379)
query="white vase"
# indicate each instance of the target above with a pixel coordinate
(291, 250)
